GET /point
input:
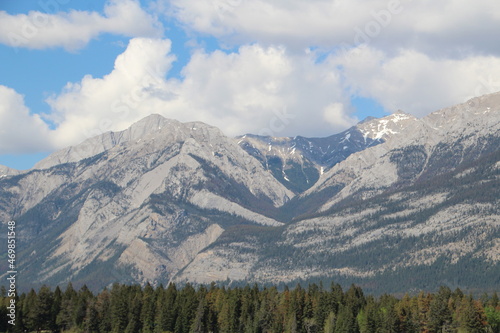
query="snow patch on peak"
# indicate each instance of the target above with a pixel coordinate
(384, 128)
(346, 138)
(400, 115)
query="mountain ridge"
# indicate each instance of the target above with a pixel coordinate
(168, 201)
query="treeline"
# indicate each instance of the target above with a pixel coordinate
(125, 308)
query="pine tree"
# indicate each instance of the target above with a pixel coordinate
(346, 322)
(354, 299)
(389, 320)
(64, 319)
(407, 312)
(224, 317)
(471, 316)
(56, 308)
(188, 304)
(330, 323)
(311, 325)
(439, 312)
(134, 316)
(28, 311)
(91, 322)
(321, 309)
(81, 302)
(103, 308)
(493, 318)
(200, 322)
(148, 309)
(119, 308)
(368, 318)
(423, 304)
(336, 297)
(42, 311)
(248, 308)
(166, 309)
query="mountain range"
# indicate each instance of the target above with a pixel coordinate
(391, 204)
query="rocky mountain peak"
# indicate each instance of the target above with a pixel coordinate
(105, 141)
(479, 114)
(386, 127)
(6, 171)
(152, 127)
(169, 201)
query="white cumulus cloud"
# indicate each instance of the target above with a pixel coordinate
(265, 90)
(415, 82)
(74, 29)
(96, 105)
(257, 89)
(448, 27)
(21, 132)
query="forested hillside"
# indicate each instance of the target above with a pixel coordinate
(132, 308)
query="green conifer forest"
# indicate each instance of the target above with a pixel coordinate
(132, 308)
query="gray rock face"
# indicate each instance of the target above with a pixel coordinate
(298, 162)
(145, 201)
(6, 171)
(99, 144)
(378, 204)
(416, 211)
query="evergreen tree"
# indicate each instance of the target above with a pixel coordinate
(321, 308)
(81, 302)
(368, 318)
(493, 318)
(439, 312)
(354, 299)
(103, 308)
(336, 297)
(423, 305)
(188, 304)
(264, 319)
(389, 320)
(311, 325)
(166, 309)
(346, 322)
(118, 308)
(200, 322)
(42, 314)
(148, 309)
(407, 312)
(91, 322)
(291, 324)
(28, 310)
(64, 319)
(471, 316)
(134, 316)
(248, 308)
(330, 323)
(56, 308)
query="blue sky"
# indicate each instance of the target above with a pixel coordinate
(73, 69)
